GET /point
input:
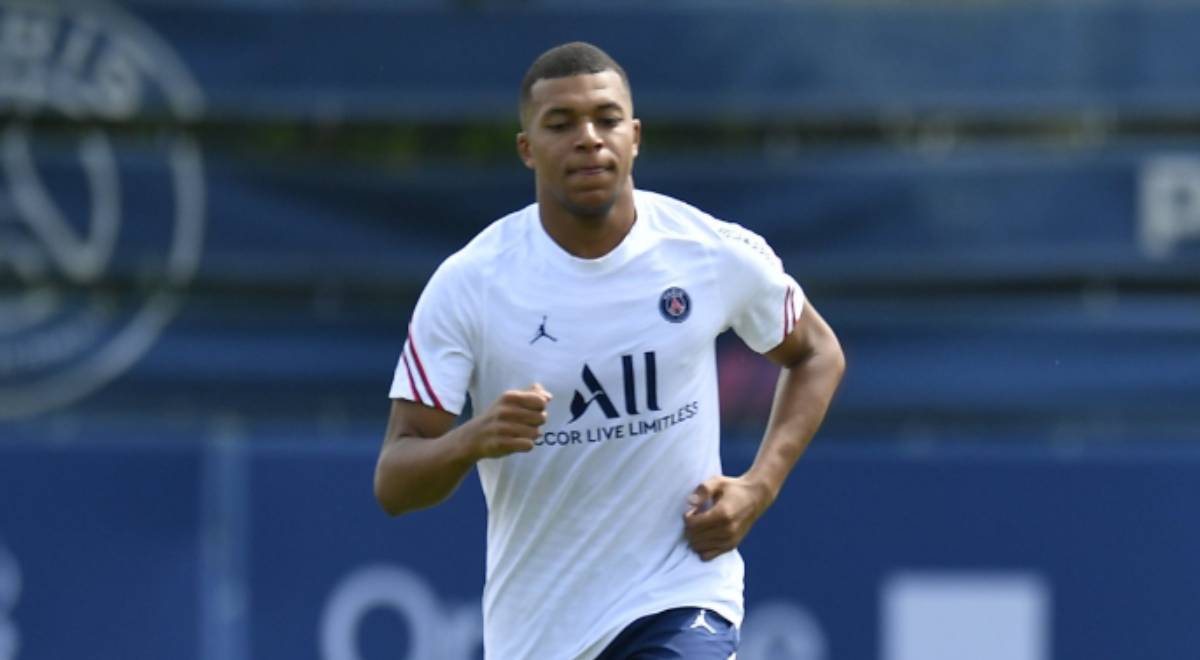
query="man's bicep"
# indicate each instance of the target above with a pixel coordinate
(811, 334)
(409, 418)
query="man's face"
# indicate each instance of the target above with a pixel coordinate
(580, 139)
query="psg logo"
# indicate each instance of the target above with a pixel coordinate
(675, 305)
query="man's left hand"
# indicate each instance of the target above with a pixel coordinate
(720, 513)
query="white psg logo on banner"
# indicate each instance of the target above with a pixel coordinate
(101, 227)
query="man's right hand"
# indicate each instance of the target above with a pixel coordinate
(424, 458)
(511, 424)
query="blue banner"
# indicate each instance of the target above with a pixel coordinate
(234, 551)
(99, 552)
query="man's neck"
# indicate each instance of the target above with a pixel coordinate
(589, 237)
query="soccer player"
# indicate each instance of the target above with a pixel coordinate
(583, 328)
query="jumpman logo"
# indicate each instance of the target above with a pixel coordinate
(542, 332)
(701, 622)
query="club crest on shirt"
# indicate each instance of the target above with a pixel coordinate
(675, 305)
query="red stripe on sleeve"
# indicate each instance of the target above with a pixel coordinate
(787, 318)
(792, 308)
(412, 346)
(411, 382)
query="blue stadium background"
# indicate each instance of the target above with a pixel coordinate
(215, 218)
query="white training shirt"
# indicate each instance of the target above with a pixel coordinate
(585, 532)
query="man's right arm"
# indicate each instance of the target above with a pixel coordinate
(424, 457)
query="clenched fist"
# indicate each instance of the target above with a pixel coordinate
(512, 422)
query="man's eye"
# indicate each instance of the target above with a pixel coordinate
(610, 121)
(557, 126)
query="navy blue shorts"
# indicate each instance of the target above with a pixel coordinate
(687, 633)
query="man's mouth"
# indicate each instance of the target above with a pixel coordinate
(591, 170)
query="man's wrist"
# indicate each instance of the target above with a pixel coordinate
(765, 488)
(464, 450)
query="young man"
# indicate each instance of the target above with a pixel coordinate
(583, 327)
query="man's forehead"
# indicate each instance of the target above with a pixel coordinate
(585, 89)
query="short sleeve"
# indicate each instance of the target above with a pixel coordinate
(438, 357)
(764, 302)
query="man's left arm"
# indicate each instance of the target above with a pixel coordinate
(722, 509)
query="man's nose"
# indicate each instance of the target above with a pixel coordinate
(589, 137)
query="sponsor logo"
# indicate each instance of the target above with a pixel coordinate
(783, 628)
(437, 630)
(995, 615)
(596, 393)
(645, 416)
(442, 629)
(99, 233)
(675, 305)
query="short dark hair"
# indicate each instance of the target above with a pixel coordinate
(570, 59)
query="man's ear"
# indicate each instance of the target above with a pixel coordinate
(523, 150)
(637, 136)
